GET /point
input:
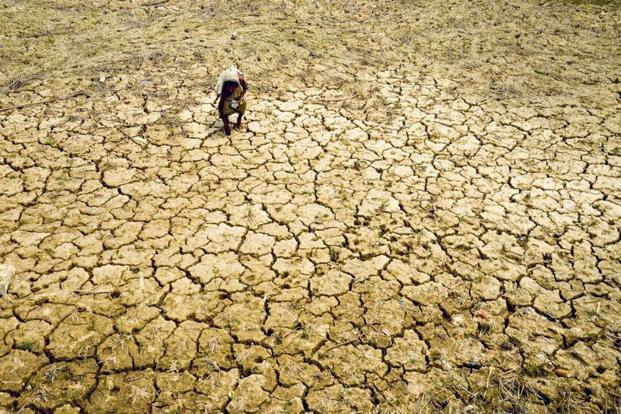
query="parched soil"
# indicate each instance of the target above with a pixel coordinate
(422, 212)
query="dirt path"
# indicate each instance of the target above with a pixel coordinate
(422, 213)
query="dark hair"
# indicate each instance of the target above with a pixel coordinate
(228, 83)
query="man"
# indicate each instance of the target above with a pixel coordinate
(232, 100)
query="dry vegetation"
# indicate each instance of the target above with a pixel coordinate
(422, 213)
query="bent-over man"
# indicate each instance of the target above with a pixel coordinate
(232, 97)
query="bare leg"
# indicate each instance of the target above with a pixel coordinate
(239, 120)
(227, 128)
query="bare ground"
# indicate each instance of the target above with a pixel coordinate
(422, 213)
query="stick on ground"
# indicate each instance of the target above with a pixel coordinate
(11, 108)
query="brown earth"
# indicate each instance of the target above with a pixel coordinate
(422, 213)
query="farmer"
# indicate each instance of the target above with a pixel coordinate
(232, 89)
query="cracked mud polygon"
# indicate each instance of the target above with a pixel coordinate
(421, 213)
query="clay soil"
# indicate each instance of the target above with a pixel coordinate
(421, 213)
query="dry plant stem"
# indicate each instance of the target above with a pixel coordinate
(156, 3)
(45, 102)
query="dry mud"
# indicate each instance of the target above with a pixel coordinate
(421, 214)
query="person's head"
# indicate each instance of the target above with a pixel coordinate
(229, 87)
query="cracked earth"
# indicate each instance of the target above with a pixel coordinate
(420, 214)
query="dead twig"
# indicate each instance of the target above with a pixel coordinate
(342, 344)
(47, 295)
(155, 3)
(489, 375)
(47, 101)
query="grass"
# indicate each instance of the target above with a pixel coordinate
(512, 392)
(535, 370)
(26, 346)
(19, 81)
(334, 254)
(60, 40)
(615, 3)
(51, 39)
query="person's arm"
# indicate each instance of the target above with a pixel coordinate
(244, 85)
